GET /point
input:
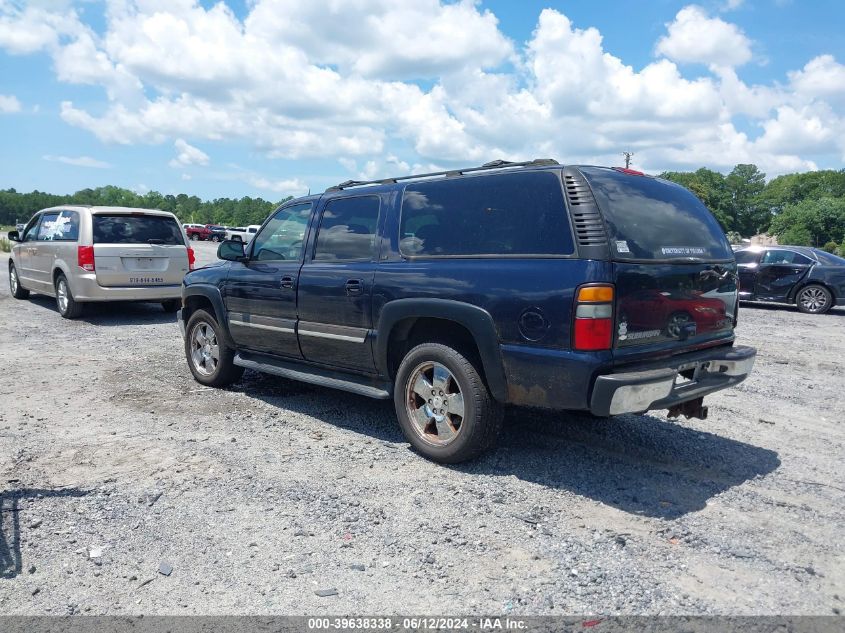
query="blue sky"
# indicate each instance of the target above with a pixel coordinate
(275, 97)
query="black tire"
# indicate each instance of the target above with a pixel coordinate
(814, 299)
(194, 237)
(18, 291)
(225, 372)
(68, 307)
(214, 238)
(481, 423)
(171, 305)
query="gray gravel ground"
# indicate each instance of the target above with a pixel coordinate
(116, 468)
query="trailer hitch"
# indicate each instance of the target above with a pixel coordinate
(690, 409)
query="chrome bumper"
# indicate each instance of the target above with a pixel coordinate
(662, 385)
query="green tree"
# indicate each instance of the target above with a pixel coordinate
(811, 222)
(744, 186)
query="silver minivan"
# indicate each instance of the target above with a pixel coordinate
(81, 254)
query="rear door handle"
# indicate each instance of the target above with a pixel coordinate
(354, 287)
(287, 283)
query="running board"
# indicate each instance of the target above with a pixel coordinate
(314, 375)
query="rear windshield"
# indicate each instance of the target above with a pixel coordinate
(136, 229)
(652, 219)
(828, 258)
(504, 214)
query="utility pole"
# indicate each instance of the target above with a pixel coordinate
(628, 156)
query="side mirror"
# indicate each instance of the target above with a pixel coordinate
(231, 251)
(14, 236)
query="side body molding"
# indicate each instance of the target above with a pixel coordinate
(477, 320)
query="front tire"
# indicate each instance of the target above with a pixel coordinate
(18, 291)
(814, 299)
(210, 360)
(444, 408)
(68, 307)
(194, 237)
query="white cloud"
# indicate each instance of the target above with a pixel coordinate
(78, 161)
(188, 155)
(694, 37)
(822, 76)
(291, 187)
(9, 104)
(292, 79)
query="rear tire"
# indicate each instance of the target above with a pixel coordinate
(68, 307)
(194, 237)
(444, 408)
(210, 360)
(171, 305)
(18, 291)
(814, 299)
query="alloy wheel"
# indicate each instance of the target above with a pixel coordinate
(61, 295)
(435, 403)
(813, 299)
(205, 351)
(13, 279)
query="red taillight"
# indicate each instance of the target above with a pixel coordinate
(85, 257)
(593, 328)
(191, 258)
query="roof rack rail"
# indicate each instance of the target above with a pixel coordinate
(494, 164)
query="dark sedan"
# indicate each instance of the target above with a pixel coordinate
(807, 277)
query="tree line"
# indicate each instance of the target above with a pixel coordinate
(19, 207)
(806, 209)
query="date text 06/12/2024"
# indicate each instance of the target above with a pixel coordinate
(417, 623)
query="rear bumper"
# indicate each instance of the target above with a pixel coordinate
(85, 288)
(656, 385)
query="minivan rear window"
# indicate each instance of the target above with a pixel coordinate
(503, 214)
(136, 229)
(653, 219)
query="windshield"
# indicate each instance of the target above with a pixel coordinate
(652, 219)
(136, 229)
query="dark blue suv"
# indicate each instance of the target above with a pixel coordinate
(455, 293)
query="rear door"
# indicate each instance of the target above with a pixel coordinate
(137, 249)
(336, 284)
(674, 271)
(779, 271)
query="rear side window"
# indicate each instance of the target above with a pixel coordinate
(136, 229)
(61, 226)
(505, 214)
(651, 219)
(348, 229)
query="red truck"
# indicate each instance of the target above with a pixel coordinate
(211, 232)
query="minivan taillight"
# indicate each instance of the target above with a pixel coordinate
(191, 258)
(593, 328)
(85, 257)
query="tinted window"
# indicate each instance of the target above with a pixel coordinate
(348, 229)
(136, 229)
(746, 257)
(281, 238)
(785, 257)
(655, 219)
(62, 226)
(505, 214)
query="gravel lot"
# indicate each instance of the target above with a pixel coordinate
(116, 466)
